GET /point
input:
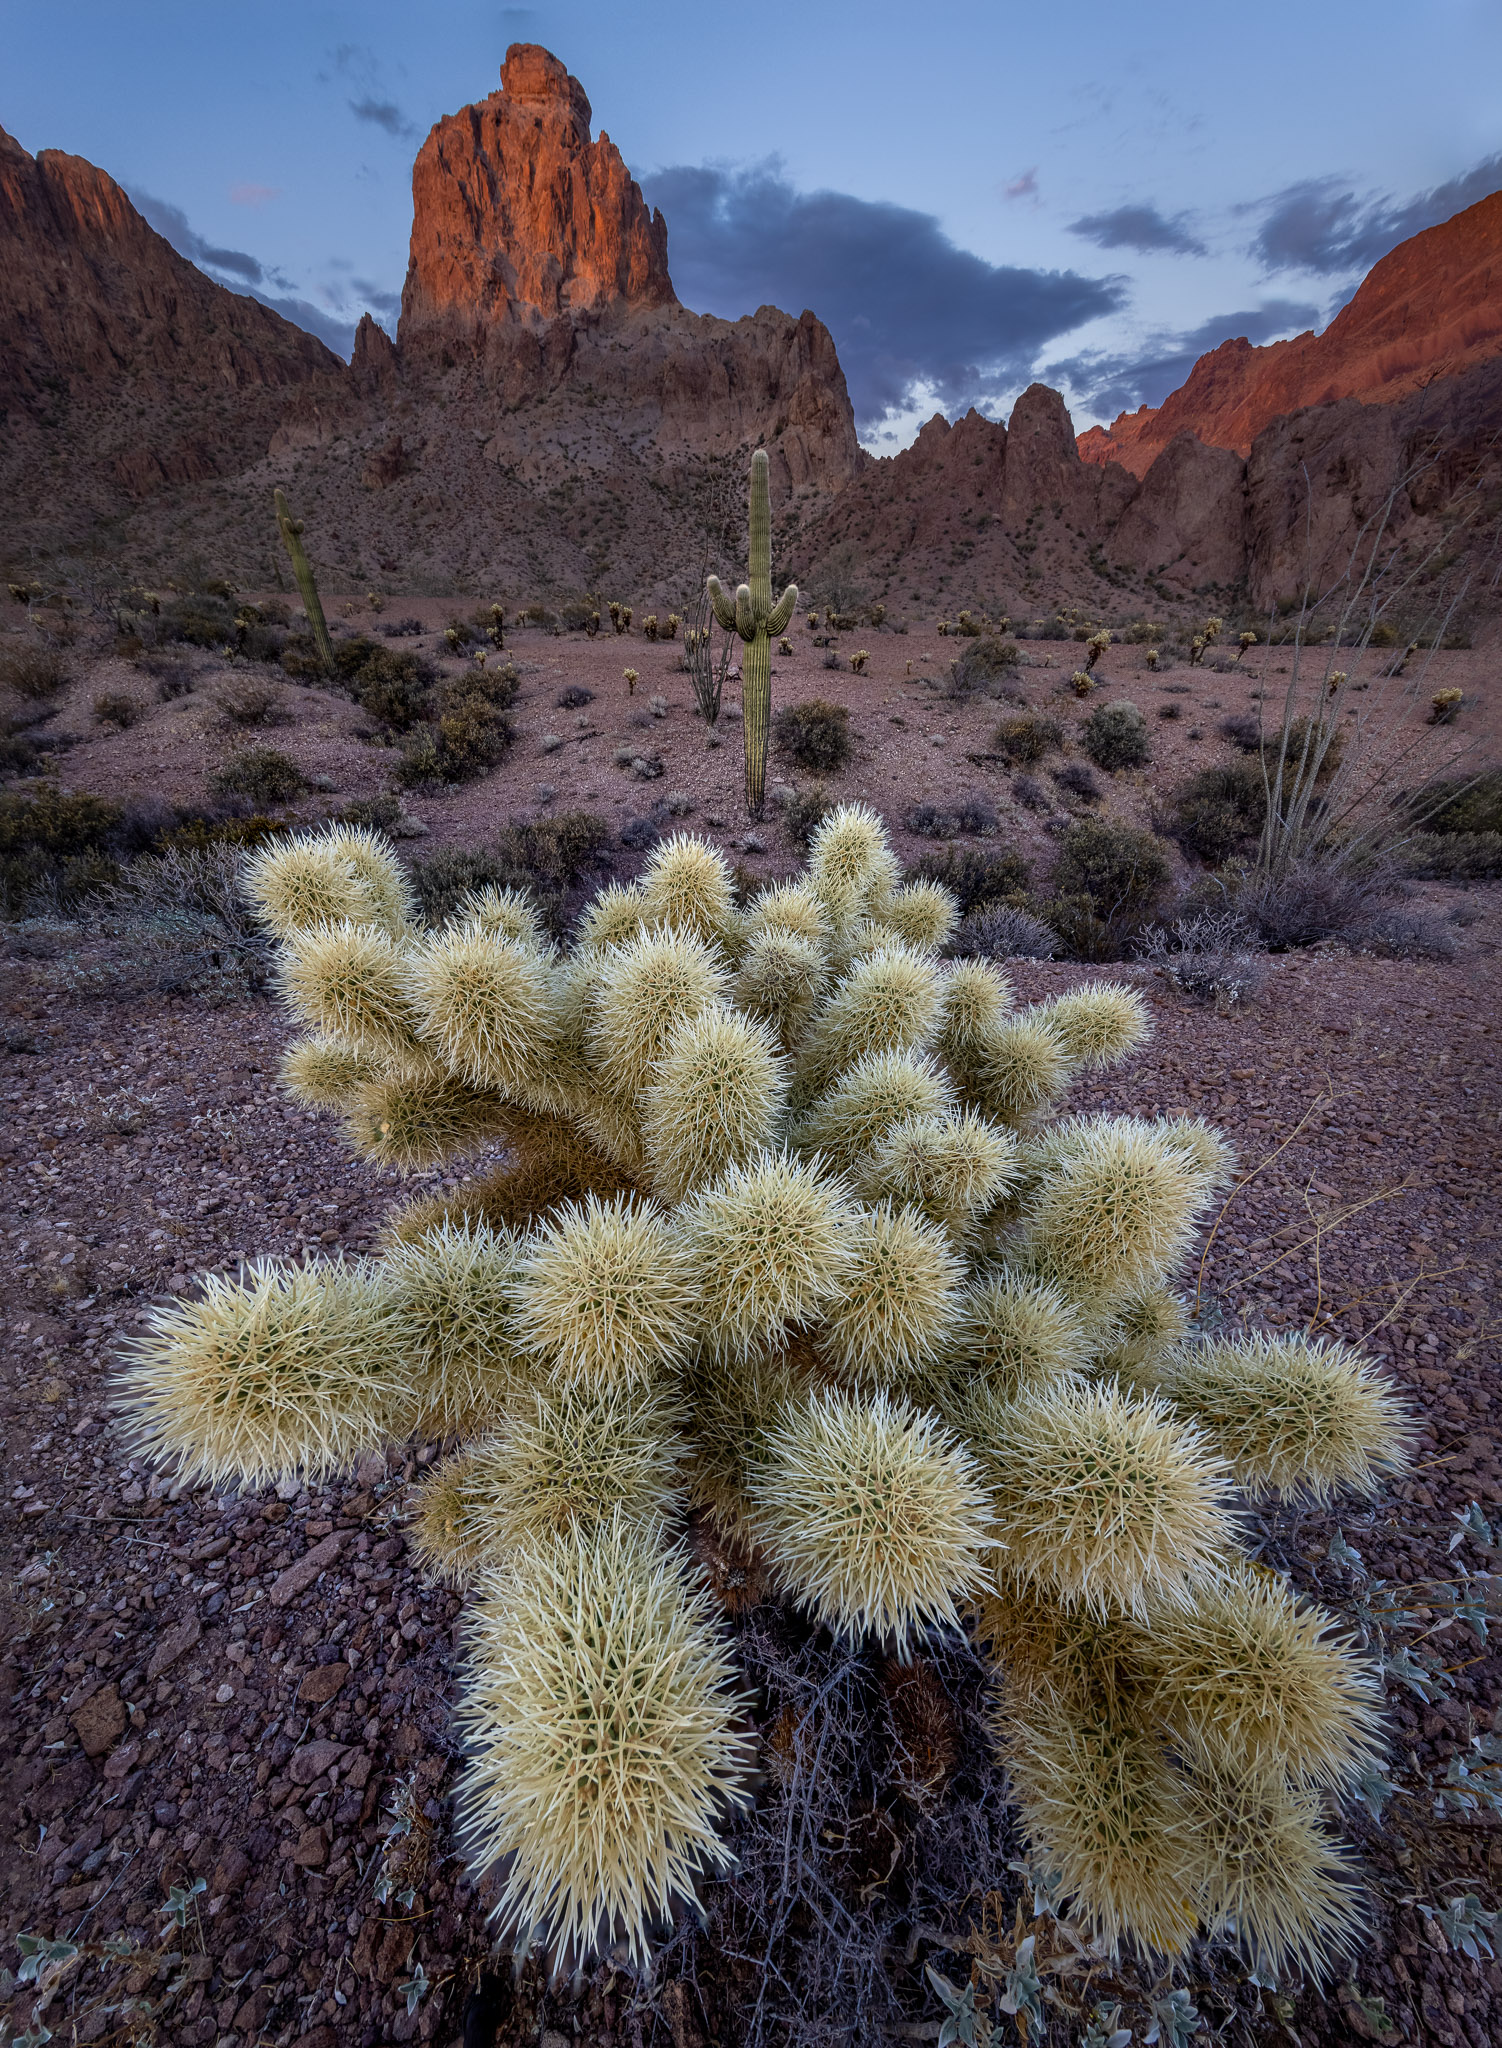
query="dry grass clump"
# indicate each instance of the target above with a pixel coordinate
(782, 1249)
(603, 1732)
(873, 1514)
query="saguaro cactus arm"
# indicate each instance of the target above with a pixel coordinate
(724, 610)
(302, 569)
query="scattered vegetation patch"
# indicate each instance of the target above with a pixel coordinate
(814, 735)
(1078, 780)
(1115, 736)
(975, 878)
(118, 708)
(1121, 872)
(265, 774)
(987, 665)
(32, 669)
(548, 856)
(1004, 931)
(1219, 811)
(971, 816)
(1028, 737)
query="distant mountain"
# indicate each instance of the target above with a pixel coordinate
(1430, 309)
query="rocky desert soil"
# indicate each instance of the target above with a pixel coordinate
(228, 1715)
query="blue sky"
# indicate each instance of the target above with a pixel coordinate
(969, 194)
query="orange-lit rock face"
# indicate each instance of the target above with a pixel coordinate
(1430, 309)
(518, 216)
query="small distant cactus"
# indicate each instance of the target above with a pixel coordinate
(1244, 641)
(1444, 706)
(784, 645)
(495, 632)
(649, 625)
(670, 627)
(756, 619)
(782, 1230)
(1095, 647)
(944, 629)
(292, 531)
(1082, 682)
(858, 662)
(632, 679)
(811, 620)
(592, 624)
(1152, 657)
(374, 601)
(1196, 650)
(1212, 630)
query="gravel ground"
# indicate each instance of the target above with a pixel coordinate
(229, 1715)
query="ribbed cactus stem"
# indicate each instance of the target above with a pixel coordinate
(756, 619)
(302, 569)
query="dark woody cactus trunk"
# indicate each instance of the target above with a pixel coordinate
(756, 619)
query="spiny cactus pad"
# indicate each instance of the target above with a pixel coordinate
(782, 1229)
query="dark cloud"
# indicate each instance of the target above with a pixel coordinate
(383, 114)
(172, 224)
(1321, 225)
(1141, 228)
(245, 273)
(906, 307)
(1109, 384)
(377, 299)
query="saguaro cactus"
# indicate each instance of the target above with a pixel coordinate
(754, 616)
(302, 569)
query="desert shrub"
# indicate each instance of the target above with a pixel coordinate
(249, 701)
(198, 834)
(1078, 780)
(264, 774)
(1212, 956)
(814, 735)
(1310, 901)
(1399, 932)
(173, 923)
(199, 618)
(1028, 737)
(803, 811)
(1115, 736)
(1218, 811)
(1473, 805)
(22, 743)
(379, 813)
(1030, 793)
(172, 675)
(56, 848)
(1453, 856)
(1004, 931)
(117, 708)
(983, 668)
(574, 698)
(1122, 871)
(402, 629)
(1243, 731)
(974, 878)
(32, 669)
(548, 857)
(392, 687)
(442, 880)
(471, 733)
(973, 816)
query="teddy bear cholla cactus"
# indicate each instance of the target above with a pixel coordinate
(788, 1238)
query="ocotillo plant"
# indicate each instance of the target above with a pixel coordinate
(302, 569)
(783, 1248)
(756, 619)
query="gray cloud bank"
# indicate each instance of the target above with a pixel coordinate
(1110, 384)
(906, 307)
(1322, 226)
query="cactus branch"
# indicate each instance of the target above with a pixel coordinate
(755, 618)
(302, 569)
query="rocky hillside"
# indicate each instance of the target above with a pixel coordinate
(1429, 310)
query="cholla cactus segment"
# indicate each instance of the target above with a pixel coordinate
(1292, 1415)
(606, 1294)
(379, 869)
(1143, 1328)
(896, 1302)
(780, 979)
(1089, 1663)
(451, 1295)
(851, 865)
(1251, 1666)
(873, 1514)
(485, 1004)
(1208, 1149)
(977, 997)
(1117, 1211)
(502, 914)
(686, 886)
(604, 1735)
(1020, 1070)
(716, 1100)
(951, 1168)
(923, 914)
(768, 1245)
(564, 1458)
(1264, 1867)
(647, 987)
(879, 1092)
(1098, 1023)
(1102, 1501)
(306, 883)
(791, 908)
(324, 1072)
(732, 1415)
(1014, 1335)
(415, 1120)
(350, 981)
(614, 916)
(1105, 1810)
(290, 1373)
(887, 1002)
